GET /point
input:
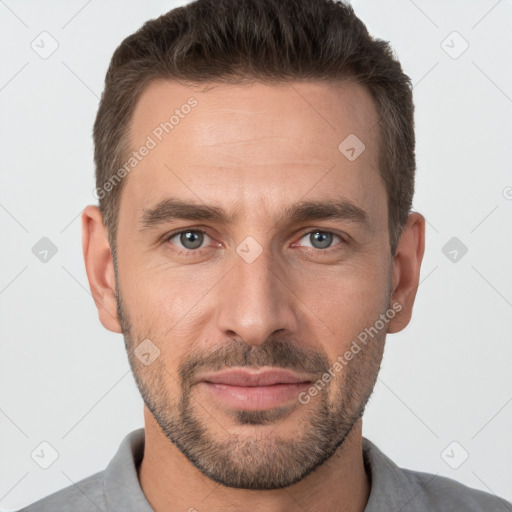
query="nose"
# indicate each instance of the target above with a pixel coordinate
(257, 301)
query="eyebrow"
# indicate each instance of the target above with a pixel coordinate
(173, 208)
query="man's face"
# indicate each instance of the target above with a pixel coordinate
(273, 282)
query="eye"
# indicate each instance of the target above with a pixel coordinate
(320, 240)
(190, 239)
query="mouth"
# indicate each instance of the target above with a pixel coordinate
(254, 390)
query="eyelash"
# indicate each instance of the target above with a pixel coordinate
(188, 252)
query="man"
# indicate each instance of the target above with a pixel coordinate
(254, 245)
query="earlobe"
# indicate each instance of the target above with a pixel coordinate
(406, 270)
(99, 267)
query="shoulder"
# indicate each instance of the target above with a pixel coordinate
(442, 493)
(115, 488)
(86, 495)
(397, 488)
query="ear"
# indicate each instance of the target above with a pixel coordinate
(100, 267)
(406, 270)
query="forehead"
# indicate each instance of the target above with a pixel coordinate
(255, 143)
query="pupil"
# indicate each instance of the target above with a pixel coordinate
(191, 239)
(321, 240)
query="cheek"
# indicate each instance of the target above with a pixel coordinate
(347, 301)
(168, 306)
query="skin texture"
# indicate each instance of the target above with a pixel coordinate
(254, 151)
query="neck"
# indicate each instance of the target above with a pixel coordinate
(172, 483)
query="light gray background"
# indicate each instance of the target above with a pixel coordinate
(64, 379)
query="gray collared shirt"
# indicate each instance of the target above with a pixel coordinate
(393, 489)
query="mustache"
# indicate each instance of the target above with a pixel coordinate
(279, 353)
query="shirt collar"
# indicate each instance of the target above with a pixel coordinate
(121, 483)
(392, 488)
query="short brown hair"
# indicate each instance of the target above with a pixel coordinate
(237, 41)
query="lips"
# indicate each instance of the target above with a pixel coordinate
(244, 389)
(255, 378)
